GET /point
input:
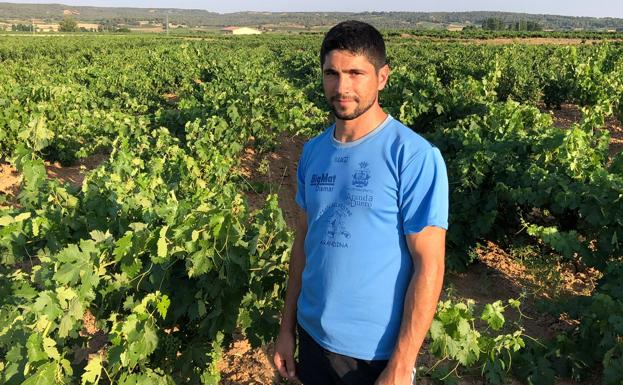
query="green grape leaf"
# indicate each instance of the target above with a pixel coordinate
(47, 305)
(514, 303)
(49, 347)
(34, 346)
(163, 306)
(99, 236)
(6, 220)
(470, 350)
(65, 326)
(142, 341)
(14, 354)
(492, 314)
(45, 375)
(200, 263)
(436, 329)
(463, 327)
(162, 242)
(93, 371)
(123, 246)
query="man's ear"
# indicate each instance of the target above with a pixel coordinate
(383, 76)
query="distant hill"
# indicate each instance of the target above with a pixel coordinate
(295, 20)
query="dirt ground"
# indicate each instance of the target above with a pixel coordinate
(74, 174)
(10, 179)
(278, 176)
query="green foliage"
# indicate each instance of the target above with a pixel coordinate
(160, 246)
(594, 343)
(176, 257)
(462, 347)
(68, 25)
(497, 24)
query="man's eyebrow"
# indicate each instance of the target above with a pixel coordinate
(349, 70)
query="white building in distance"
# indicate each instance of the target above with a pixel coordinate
(240, 31)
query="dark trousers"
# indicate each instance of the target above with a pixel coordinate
(318, 366)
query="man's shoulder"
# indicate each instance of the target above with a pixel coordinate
(319, 139)
(406, 141)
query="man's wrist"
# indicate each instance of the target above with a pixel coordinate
(400, 368)
(402, 363)
(287, 327)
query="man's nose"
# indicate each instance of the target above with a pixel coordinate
(343, 84)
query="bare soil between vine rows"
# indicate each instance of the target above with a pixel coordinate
(10, 178)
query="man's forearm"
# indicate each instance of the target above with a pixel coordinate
(285, 345)
(419, 307)
(419, 310)
(295, 271)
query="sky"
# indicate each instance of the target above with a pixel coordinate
(594, 8)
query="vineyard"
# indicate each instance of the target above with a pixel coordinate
(175, 243)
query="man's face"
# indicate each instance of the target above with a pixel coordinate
(351, 83)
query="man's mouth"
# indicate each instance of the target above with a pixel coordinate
(343, 100)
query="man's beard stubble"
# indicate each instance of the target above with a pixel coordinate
(355, 114)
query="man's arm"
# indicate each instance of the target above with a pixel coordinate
(286, 341)
(428, 252)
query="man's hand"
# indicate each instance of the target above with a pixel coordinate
(284, 354)
(390, 376)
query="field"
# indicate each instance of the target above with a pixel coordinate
(146, 203)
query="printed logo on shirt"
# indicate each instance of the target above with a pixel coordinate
(361, 176)
(341, 159)
(334, 215)
(359, 200)
(323, 182)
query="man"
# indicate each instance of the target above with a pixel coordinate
(367, 262)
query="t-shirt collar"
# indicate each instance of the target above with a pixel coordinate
(364, 138)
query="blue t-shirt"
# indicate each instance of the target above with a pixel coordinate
(361, 198)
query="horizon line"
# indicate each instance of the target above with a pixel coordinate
(317, 11)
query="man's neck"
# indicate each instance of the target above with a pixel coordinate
(351, 130)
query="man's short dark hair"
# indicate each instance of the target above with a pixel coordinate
(357, 37)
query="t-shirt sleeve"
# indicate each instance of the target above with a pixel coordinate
(424, 192)
(300, 182)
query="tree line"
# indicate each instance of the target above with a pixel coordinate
(497, 24)
(384, 20)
